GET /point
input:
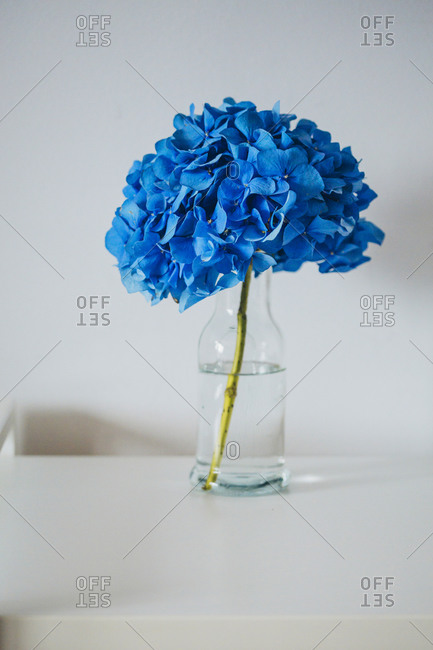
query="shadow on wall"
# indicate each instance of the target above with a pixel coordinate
(76, 433)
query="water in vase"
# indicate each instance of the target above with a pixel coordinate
(254, 447)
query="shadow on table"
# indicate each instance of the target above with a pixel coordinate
(328, 473)
(69, 432)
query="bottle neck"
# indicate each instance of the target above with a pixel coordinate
(258, 296)
(264, 343)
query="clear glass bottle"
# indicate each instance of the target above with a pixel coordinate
(253, 459)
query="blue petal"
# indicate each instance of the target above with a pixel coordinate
(233, 136)
(365, 196)
(253, 233)
(180, 197)
(373, 233)
(196, 179)
(155, 203)
(134, 173)
(333, 184)
(188, 299)
(114, 243)
(228, 280)
(262, 262)
(269, 163)
(319, 228)
(208, 119)
(188, 137)
(182, 249)
(293, 229)
(245, 171)
(220, 218)
(244, 249)
(231, 190)
(121, 227)
(131, 213)
(279, 218)
(170, 229)
(299, 249)
(163, 167)
(263, 140)
(290, 201)
(145, 247)
(307, 182)
(248, 122)
(294, 157)
(264, 186)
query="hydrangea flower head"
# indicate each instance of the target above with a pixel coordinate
(234, 186)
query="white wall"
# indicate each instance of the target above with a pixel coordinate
(64, 153)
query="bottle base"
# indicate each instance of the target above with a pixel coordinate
(254, 483)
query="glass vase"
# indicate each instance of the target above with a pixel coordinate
(252, 451)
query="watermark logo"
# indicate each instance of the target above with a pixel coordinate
(377, 591)
(233, 170)
(233, 450)
(92, 31)
(376, 31)
(92, 591)
(376, 311)
(92, 311)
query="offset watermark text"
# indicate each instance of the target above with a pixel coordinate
(92, 31)
(376, 311)
(376, 31)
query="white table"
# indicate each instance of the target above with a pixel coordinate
(265, 572)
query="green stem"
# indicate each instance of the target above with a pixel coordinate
(232, 385)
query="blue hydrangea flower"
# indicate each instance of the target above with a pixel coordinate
(234, 186)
